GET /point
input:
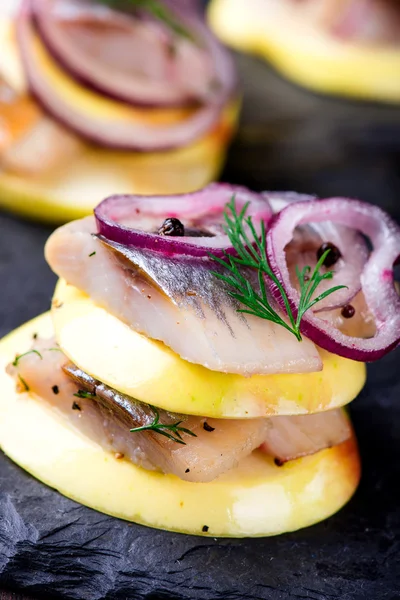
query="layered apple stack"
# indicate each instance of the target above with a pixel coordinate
(200, 348)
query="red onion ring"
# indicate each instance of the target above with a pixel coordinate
(377, 279)
(346, 272)
(118, 134)
(280, 200)
(90, 70)
(132, 220)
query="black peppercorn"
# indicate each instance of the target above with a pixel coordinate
(208, 427)
(172, 226)
(333, 255)
(348, 311)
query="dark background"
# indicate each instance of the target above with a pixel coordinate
(51, 547)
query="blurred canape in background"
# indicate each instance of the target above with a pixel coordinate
(345, 47)
(291, 137)
(99, 97)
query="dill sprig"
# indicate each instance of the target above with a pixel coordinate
(164, 430)
(24, 384)
(19, 356)
(251, 249)
(158, 10)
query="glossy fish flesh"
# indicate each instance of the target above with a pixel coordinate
(218, 445)
(177, 301)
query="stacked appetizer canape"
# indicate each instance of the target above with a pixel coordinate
(200, 348)
(105, 96)
(345, 47)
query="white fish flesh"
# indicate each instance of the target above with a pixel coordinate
(292, 437)
(43, 147)
(106, 416)
(177, 301)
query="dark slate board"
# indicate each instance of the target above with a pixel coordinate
(51, 547)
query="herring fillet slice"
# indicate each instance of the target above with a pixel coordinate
(176, 301)
(108, 419)
(218, 447)
(299, 435)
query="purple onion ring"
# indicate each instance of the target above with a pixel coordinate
(352, 246)
(134, 220)
(377, 279)
(121, 133)
(133, 89)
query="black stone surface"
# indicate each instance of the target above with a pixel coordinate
(51, 547)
